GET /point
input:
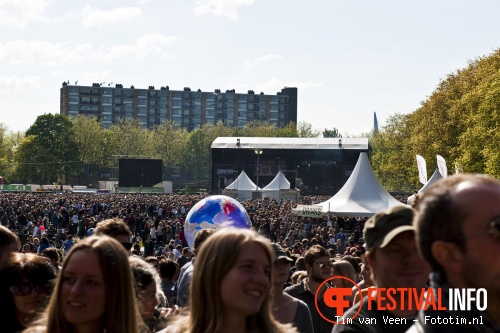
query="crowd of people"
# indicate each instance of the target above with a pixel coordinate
(121, 263)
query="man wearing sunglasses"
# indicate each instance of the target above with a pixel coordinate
(115, 228)
(458, 233)
(319, 269)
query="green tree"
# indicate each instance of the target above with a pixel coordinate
(305, 130)
(108, 147)
(333, 133)
(169, 144)
(218, 130)
(258, 129)
(9, 142)
(88, 131)
(196, 156)
(29, 166)
(132, 139)
(392, 158)
(4, 152)
(54, 137)
(479, 144)
(289, 131)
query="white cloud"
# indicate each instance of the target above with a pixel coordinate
(101, 74)
(251, 62)
(227, 8)
(20, 12)
(95, 17)
(40, 53)
(16, 82)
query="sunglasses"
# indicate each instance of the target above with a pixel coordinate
(127, 246)
(324, 264)
(493, 230)
(25, 289)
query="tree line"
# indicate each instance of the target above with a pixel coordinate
(460, 121)
(57, 147)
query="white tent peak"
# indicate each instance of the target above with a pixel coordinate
(278, 183)
(362, 195)
(435, 177)
(242, 183)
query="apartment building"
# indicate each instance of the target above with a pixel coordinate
(186, 108)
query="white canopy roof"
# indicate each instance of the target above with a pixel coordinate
(289, 143)
(278, 183)
(435, 177)
(362, 195)
(242, 183)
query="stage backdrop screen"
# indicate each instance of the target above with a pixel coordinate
(139, 172)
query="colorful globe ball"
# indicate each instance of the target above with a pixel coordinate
(215, 212)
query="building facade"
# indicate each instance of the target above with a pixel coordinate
(187, 109)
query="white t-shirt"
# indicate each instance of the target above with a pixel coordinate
(177, 254)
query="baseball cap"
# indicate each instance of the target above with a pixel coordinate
(279, 253)
(382, 227)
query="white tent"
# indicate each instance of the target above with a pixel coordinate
(278, 183)
(362, 195)
(435, 177)
(242, 183)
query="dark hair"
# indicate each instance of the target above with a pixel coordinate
(167, 268)
(200, 237)
(17, 267)
(112, 228)
(143, 276)
(7, 238)
(315, 252)
(52, 253)
(354, 262)
(151, 260)
(36, 269)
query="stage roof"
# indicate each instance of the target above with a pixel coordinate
(289, 143)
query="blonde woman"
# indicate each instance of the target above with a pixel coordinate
(230, 288)
(94, 291)
(345, 269)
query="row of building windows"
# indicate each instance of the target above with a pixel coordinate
(163, 94)
(177, 112)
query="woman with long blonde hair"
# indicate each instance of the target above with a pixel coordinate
(230, 289)
(94, 291)
(345, 269)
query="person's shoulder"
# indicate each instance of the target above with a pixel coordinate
(301, 304)
(294, 289)
(35, 329)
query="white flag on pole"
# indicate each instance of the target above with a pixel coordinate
(441, 164)
(422, 169)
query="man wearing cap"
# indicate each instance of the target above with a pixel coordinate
(395, 263)
(458, 233)
(287, 309)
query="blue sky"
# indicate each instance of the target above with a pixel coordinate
(348, 58)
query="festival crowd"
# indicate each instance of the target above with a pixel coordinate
(82, 262)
